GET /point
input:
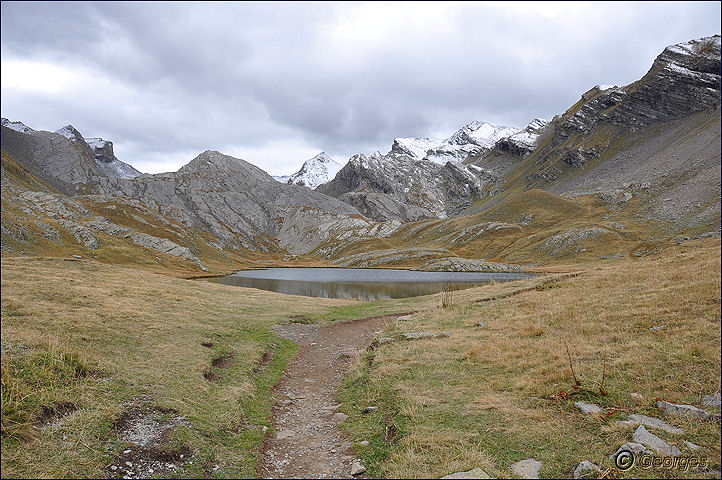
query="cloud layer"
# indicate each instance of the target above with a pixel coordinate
(277, 83)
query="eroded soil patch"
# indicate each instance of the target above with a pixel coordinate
(151, 449)
(54, 413)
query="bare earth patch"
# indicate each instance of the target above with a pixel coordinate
(308, 442)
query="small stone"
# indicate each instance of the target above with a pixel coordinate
(385, 340)
(130, 464)
(333, 450)
(585, 469)
(654, 423)
(712, 400)
(370, 409)
(405, 318)
(126, 451)
(473, 473)
(150, 471)
(637, 397)
(364, 443)
(113, 468)
(264, 429)
(643, 436)
(77, 256)
(482, 325)
(339, 417)
(658, 327)
(692, 446)
(588, 408)
(682, 410)
(634, 447)
(357, 468)
(528, 468)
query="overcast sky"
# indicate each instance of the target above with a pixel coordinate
(276, 83)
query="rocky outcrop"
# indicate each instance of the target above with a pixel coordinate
(106, 161)
(394, 187)
(237, 202)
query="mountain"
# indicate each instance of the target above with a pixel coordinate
(106, 161)
(472, 139)
(314, 172)
(17, 126)
(396, 187)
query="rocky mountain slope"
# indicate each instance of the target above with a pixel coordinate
(314, 172)
(623, 168)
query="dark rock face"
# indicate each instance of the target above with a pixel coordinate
(396, 187)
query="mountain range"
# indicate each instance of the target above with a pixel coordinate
(621, 170)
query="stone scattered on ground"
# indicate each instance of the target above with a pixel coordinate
(654, 423)
(404, 318)
(652, 441)
(385, 340)
(637, 397)
(587, 469)
(370, 409)
(588, 408)
(418, 335)
(528, 468)
(339, 417)
(357, 468)
(692, 446)
(481, 324)
(658, 327)
(711, 400)
(364, 443)
(682, 410)
(634, 447)
(473, 473)
(76, 256)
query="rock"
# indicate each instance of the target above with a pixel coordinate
(418, 335)
(405, 318)
(385, 340)
(264, 429)
(637, 397)
(654, 423)
(528, 468)
(481, 324)
(283, 434)
(588, 408)
(634, 447)
(76, 256)
(712, 400)
(364, 443)
(586, 469)
(658, 327)
(473, 473)
(682, 410)
(659, 446)
(113, 467)
(370, 409)
(691, 446)
(357, 468)
(339, 417)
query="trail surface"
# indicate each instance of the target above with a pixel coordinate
(308, 442)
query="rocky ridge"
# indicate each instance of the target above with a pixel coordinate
(314, 172)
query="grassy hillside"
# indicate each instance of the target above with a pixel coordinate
(490, 396)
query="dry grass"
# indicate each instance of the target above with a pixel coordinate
(133, 334)
(491, 396)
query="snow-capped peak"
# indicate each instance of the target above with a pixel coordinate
(314, 172)
(96, 143)
(71, 133)
(17, 126)
(526, 139)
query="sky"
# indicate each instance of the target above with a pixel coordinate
(276, 83)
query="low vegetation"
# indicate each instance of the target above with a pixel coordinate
(491, 395)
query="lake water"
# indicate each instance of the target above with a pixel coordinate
(360, 283)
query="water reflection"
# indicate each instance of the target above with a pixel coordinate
(361, 284)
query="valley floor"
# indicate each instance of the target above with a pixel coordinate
(108, 367)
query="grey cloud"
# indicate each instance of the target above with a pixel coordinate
(245, 75)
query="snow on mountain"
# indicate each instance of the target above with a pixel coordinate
(71, 133)
(314, 172)
(471, 139)
(17, 126)
(526, 139)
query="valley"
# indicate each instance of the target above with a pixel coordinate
(119, 359)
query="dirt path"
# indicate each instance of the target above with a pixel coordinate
(308, 442)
